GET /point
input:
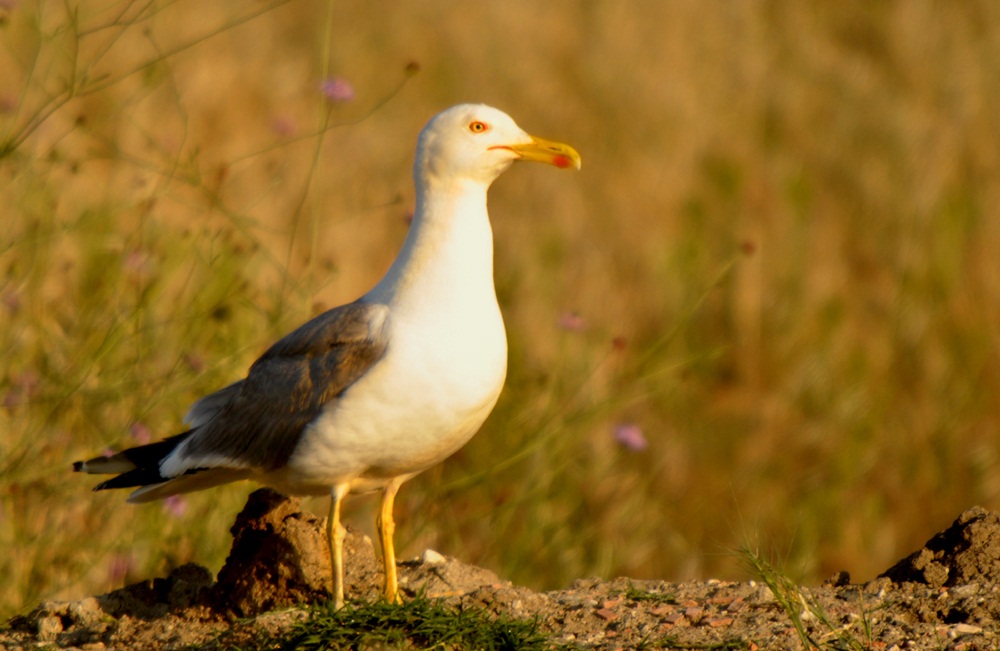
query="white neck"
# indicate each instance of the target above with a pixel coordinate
(447, 257)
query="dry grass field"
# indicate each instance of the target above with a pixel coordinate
(766, 312)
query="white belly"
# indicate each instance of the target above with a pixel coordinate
(420, 403)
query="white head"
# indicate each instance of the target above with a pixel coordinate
(474, 142)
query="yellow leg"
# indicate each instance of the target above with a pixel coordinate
(386, 528)
(335, 534)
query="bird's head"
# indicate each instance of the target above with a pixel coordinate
(474, 142)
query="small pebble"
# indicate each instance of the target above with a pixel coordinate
(48, 628)
(965, 590)
(430, 557)
(966, 629)
(606, 614)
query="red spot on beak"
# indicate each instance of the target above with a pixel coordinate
(562, 162)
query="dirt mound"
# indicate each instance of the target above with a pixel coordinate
(280, 557)
(966, 552)
(943, 596)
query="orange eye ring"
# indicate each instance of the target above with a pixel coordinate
(478, 127)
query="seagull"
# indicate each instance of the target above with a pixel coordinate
(367, 395)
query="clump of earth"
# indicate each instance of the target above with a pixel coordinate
(943, 596)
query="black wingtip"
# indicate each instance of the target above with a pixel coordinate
(133, 478)
(106, 484)
(77, 466)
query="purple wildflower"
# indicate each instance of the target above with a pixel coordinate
(119, 567)
(24, 387)
(572, 321)
(141, 433)
(337, 90)
(137, 264)
(630, 436)
(175, 505)
(11, 300)
(195, 362)
(284, 125)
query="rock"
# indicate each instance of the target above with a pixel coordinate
(69, 623)
(184, 586)
(968, 551)
(431, 557)
(838, 580)
(966, 629)
(439, 576)
(48, 627)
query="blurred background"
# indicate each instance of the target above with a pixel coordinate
(765, 312)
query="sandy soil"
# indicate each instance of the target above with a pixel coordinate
(943, 596)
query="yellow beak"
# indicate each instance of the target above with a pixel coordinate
(547, 151)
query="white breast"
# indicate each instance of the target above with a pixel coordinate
(442, 372)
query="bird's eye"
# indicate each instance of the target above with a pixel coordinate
(478, 127)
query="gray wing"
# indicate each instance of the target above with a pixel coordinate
(257, 422)
(208, 407)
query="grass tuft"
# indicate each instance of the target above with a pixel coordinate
(418, 623)
(638, 594)
(722, 645)
(800, 607)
